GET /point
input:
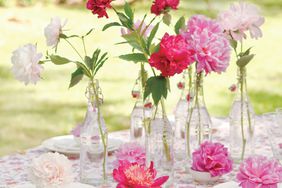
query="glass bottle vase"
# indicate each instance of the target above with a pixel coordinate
(93, 140)
(180, 115)
(242, 121)
(159, 144)
(199, 124)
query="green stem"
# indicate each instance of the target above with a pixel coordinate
(248, 112)
(242, 113)
(147, 26)
(84, 48)
(74, 49)
(197, 87)
(100, 128)
(165, 142)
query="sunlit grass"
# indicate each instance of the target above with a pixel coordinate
(31, 114)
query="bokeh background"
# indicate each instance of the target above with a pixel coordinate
(30, 114)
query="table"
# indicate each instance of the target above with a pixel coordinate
(14, 168)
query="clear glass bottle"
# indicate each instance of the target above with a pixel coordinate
(159, 144)
(93, 140)
(199, 124)
(242, 121)
(180, 116)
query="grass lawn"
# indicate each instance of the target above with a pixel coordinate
(30, 114)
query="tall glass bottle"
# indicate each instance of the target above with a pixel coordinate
(242, 121)
(199, 124)
(180, 114)
(94, 140)
(159, 140)
(137, 130)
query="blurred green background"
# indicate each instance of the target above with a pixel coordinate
(30, 114)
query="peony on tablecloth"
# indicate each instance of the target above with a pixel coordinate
(14, 168)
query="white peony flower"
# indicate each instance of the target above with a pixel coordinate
(25, 64)
(242, 17)
(52, 32)
(51, 170)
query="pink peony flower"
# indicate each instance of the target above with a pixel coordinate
(99, 7)
(51, 170)
(240, 18)
(173, 56)
(210, 47)
(133, 175)
(213, 158)
(161, 6)
(52, 31)
(131, 152)
(137, 25)
(258, 171)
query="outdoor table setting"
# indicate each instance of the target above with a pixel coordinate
(187, 149)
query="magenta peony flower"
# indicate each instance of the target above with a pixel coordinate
(131, 152)
(241, 17)
(133, 175)
(213, 158)
(173, 56)
(137, 24)
(161, 6)
(210, 47)
(258, 171)
(99, 7)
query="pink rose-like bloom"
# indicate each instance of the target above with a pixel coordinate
(240, 18)
(51, 170)
(208, 43)
(258, 171)
(133, 175)
(136, 26)
(99, 7)
(213, 158)
(131, 152)
(173, 56)
(52, 31)
(161, 6)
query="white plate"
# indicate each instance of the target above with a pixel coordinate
(67, 145)
(72, 185)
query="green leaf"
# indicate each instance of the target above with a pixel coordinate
(58, 60)
(67, 37)
(180, 24)
(110, 25)
(95, 58)
(88, 33)
(76, 76)
(128, 11)
(132, 39)
(154, 48)
(84, 69)
(100, 63)
(88, 61)
(247, 52)
(167, 19)
(157, 87)
(233, 43)
(125, 21)
(135, 57)
(244, 60)
(152, 35)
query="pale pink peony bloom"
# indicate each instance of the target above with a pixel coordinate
(133, 175)
(208, 43)
(240, 18)
(52, 31)
(137, 25)
(213, 158)
(258, 171)
(51, 170)
(26, 67)
(131, 152)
